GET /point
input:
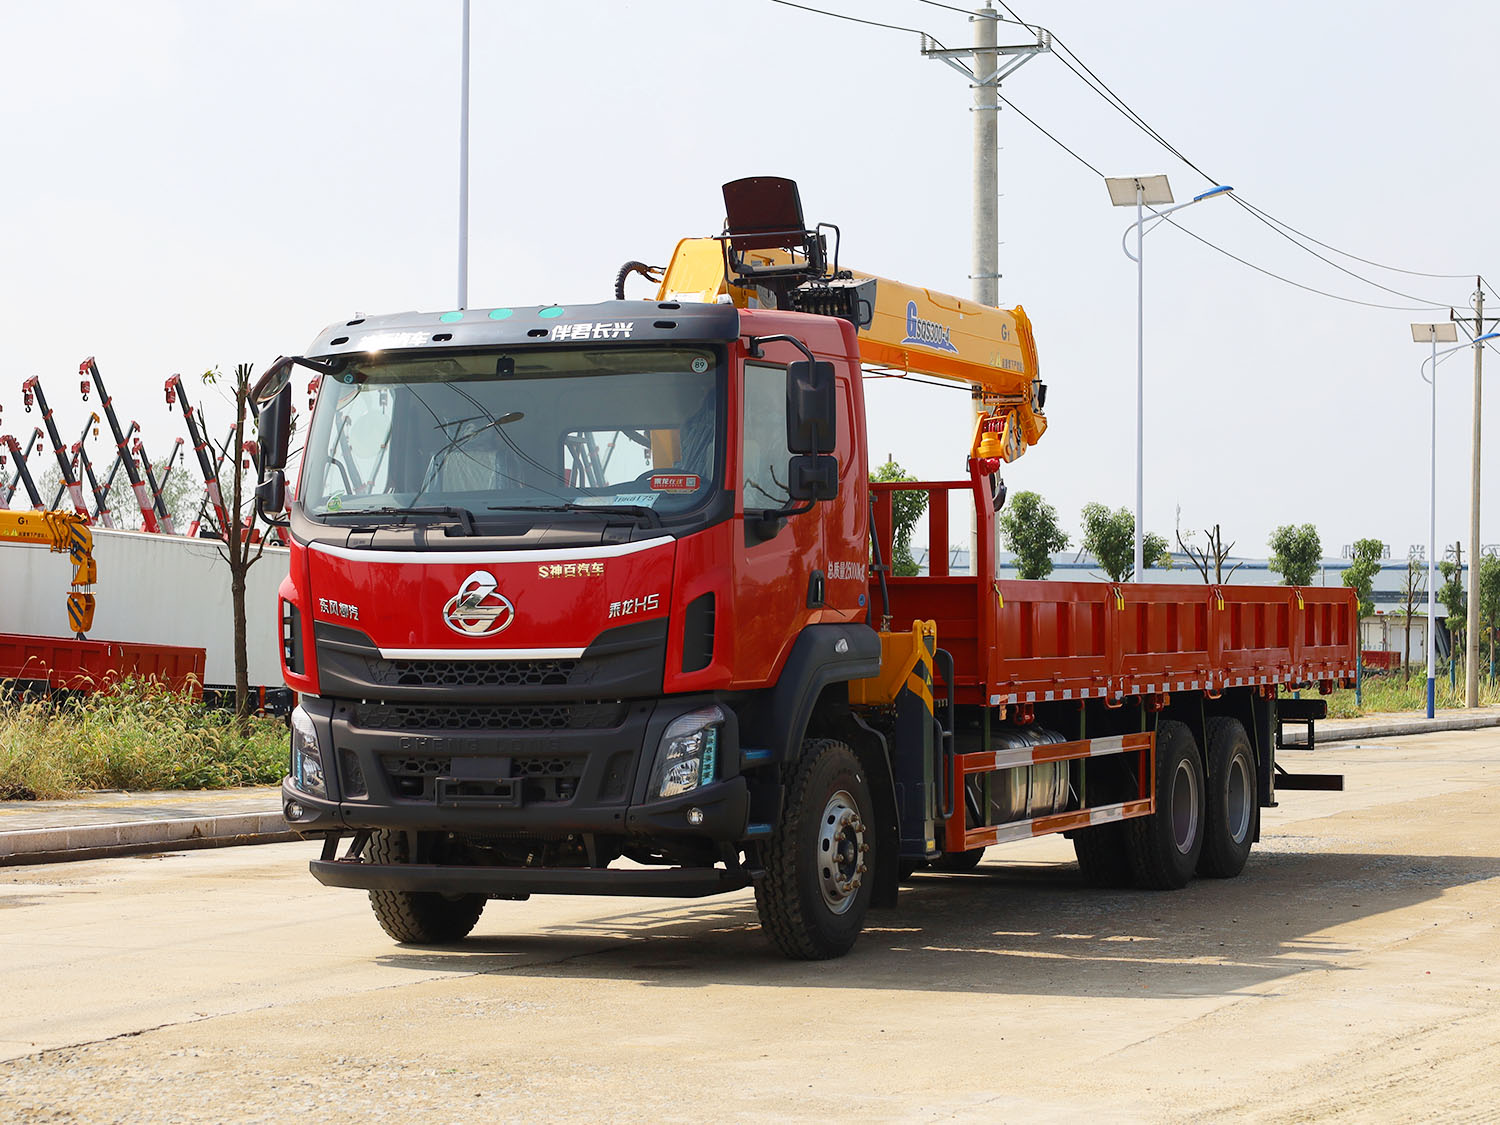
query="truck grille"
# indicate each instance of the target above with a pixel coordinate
(470, 673)
(425, 717)
(543, 780)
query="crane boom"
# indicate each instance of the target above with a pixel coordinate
(64, 533)
(908, 330)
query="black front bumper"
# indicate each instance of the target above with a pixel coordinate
(673, 882)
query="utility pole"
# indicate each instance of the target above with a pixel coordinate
(463, 166)
(986, 65)
(1471, 637)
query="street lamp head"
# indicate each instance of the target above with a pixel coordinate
(1445, 332)
(1126, 191)
(1220, 190)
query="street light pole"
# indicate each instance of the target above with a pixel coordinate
(1144, 192)
(463, 168)
(1447, 333)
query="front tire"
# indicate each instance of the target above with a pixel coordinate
(958, 862)
(418, 917)
(816, 890)
(1164, 847)
(1231, 801)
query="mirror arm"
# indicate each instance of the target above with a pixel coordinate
(756, 351)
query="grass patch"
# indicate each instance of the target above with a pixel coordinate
(1391, 691)
(139, 736)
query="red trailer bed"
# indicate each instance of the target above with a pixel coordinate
(64, 663)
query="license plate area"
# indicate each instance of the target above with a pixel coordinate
(479, 781)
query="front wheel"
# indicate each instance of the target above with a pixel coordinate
(816, 890)
(418, 917)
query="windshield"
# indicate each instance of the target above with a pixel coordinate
(493, 431)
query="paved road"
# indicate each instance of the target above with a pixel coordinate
(1351, 973)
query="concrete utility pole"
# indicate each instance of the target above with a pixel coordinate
(1471, 639)
(986, 65)
(463, 167)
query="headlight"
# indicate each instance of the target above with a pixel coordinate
(688, 754)
(307, 758)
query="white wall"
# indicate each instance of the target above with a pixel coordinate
(156, 589)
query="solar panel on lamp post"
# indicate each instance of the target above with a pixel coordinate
(1143, 193)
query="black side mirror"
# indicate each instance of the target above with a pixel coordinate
(275, 427)
(270, 494)
(813, 478)
(811, 408)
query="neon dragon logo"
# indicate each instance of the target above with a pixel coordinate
(478, 609)
(928, 333)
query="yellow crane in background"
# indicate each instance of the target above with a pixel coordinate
(66, 534)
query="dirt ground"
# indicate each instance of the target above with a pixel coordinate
(1350, 974)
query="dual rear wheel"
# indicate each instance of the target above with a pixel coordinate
(1204, 821)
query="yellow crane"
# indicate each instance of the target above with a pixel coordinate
(66, 534)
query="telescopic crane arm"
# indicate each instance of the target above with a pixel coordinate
(64, 533)
(32, 390)
(89, 370)
(158, 506)
(201, 447)
(23, 473)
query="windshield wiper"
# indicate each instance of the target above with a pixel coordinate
(464, 517)
(640, 511)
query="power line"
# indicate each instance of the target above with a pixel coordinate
(1048, 135)
(857, 19)
(1346, 254)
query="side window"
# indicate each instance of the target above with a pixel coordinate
(764, 463)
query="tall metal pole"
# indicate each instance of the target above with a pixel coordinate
(1432, 544)
(463, 170)
(986, 251)
(1140, 381)
(1471, 642)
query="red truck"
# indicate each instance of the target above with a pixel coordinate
(596, 599)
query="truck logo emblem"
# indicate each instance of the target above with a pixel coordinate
(928, 333)
(478, 609)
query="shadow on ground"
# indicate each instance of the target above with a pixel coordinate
(1005, 929)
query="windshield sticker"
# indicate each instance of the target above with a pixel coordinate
(676, 482)
(589, 330)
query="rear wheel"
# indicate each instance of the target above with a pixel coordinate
(1231, 800)
(1164, 847)
(1103, 858)
(959, 861)
(418, 917)
(813, 898)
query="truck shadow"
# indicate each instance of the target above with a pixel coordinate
(1030, 928)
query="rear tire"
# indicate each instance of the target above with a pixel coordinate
(958, 862)
(820, 859)
(1103, 856)
(1164, 847)
(418, 917)
(1231, 800)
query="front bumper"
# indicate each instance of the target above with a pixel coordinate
(515, 783)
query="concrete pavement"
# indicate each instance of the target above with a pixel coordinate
(100, 824)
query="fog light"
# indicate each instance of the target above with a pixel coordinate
(695, 817)
(293, 811)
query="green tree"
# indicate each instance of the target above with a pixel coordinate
(1110, 538)
(907, 506)
(1489, 600)
(180, 493)
(1455, 600)
(1296, 553)
(1029, 527)
(1362, 571)
(1413, 586)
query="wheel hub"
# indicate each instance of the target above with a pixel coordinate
(842, 849)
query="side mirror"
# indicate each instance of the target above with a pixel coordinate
(269, 385)
(813, 477)
(274, 425)
(811, 408)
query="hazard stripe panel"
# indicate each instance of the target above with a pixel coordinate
(1060, 822)
(988, 760)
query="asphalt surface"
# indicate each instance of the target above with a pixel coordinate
(1350, 974)
(102, 824)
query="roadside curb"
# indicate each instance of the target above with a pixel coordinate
(1350, 731)
(97, 841)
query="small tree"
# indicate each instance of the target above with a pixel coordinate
(1456, 601)
(1413, 586)
(1489, 600)
(1216, 550)
(907, 506)
(1110, 538)
(1362, 571)
(1296, 553)
(239, 546)
(1029, 527)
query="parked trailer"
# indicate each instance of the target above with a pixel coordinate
(70, 664)
(580, 601)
